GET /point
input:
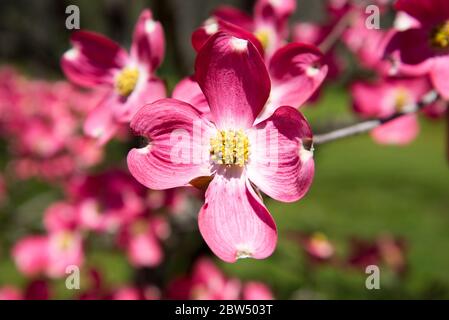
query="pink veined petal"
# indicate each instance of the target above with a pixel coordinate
(147, 91)
(174, 155)
(234, 16)
(213, 25)
(401, 131)
(233, 221)
(148, 45)
(280, 163)
(296, 70)
(233, 77)
(93, 60)
(100, 123)
(440, 76)
(189, 91)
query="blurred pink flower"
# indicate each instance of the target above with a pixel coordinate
(256, 291)
(105, 201)
(41, 121)
(422, 47)
(60, 216)
(96, 61)
(49, 255)
(31, 255)
(207, 282)
(65, 248)
(384, 98)
(140, 238)
(10, 293)
(318, 247)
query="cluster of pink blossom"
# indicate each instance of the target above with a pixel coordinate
(40, 122)
(232, 130)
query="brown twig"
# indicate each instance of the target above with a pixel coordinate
(369, 125)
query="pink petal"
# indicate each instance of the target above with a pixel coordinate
(234, 16)
(148, 45)
(214, 25)
(274, 13)
(440, 76)
(280, 163)
(274, 10)
(100, 123)
(296, 70)
(400, 131)
(233, 221)
(31, 255)
(171, 126)
(257, 291)
(233, 77)
(144, 250)
(371, 100)
(189, 91)
(93, 60)
(146, 91)
(413, 48)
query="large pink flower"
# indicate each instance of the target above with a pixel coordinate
(96, 61)
(383, 99)
(232, 152)
(424, 47)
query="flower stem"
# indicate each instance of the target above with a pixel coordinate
(366, 126)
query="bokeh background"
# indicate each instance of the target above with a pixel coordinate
(369, 204)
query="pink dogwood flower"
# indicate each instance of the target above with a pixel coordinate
(423, 47)
(233, 152)
(383, 99)
(96, 61)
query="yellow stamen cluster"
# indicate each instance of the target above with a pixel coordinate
(264, 37)
(440, 36)
(126, 81)
(65, 240)
(401, 99)
(230, 147)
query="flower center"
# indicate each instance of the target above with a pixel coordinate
(126, 81)
(230, 147)
(263, 36)
(440, 36)
(401, 100)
